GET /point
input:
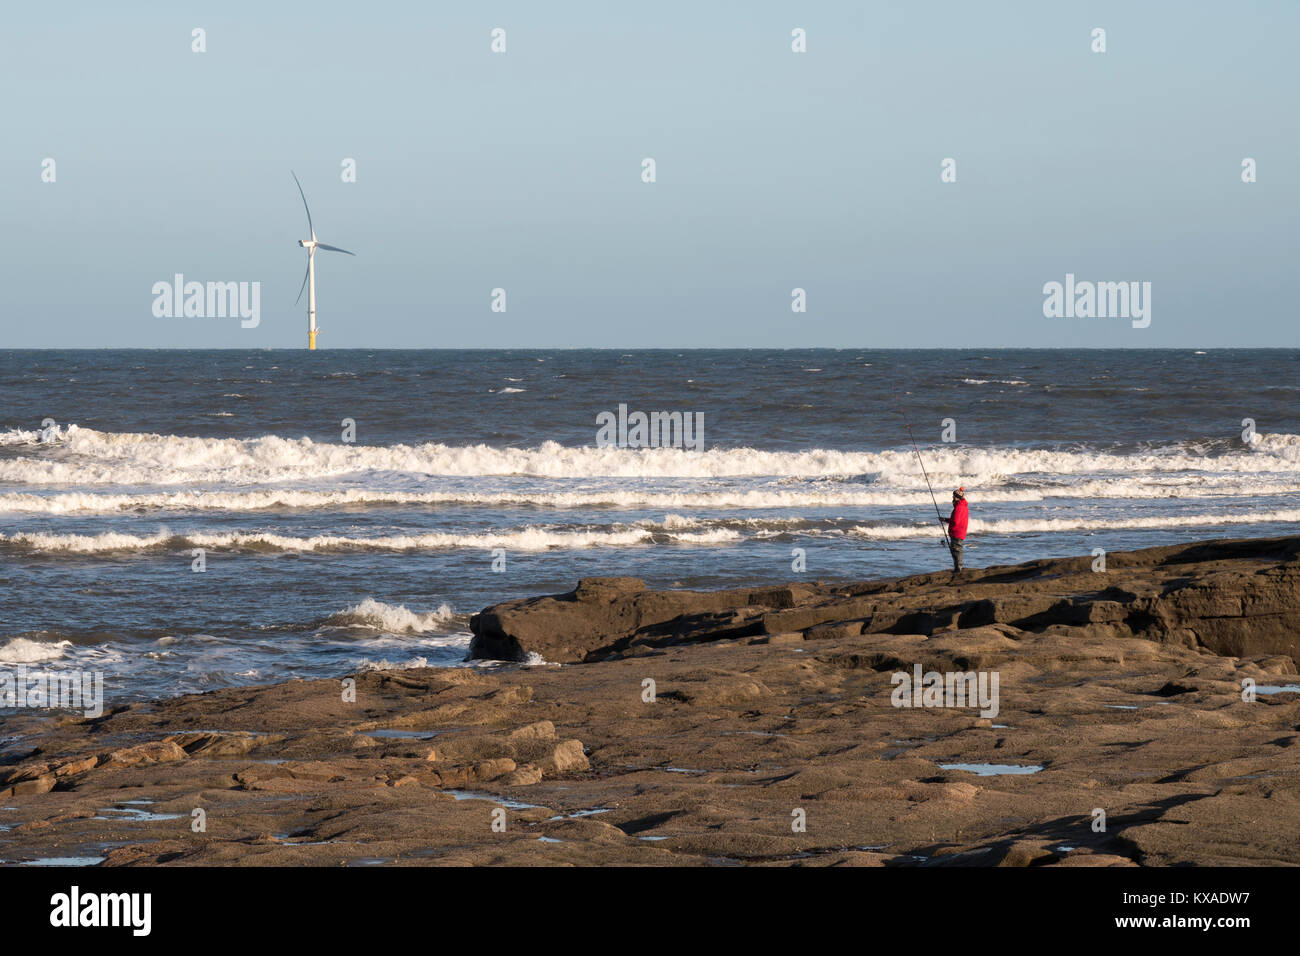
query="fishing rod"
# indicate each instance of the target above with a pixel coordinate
(938, 514)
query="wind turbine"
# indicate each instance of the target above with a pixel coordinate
(309, 280)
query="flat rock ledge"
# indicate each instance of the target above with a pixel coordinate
(1236, 598)
(757, 727)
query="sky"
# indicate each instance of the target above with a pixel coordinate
(775, 170)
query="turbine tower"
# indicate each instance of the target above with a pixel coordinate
(309, 280)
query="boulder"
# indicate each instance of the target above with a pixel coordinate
(567, 757)
(158, 751)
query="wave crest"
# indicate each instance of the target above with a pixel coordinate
(85, 456)
(24, 650)
(393, 619)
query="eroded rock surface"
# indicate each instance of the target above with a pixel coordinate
(1228, 597)
(774, 740)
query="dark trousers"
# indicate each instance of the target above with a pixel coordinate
(955, 546)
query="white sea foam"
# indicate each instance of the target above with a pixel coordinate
(24, 650)
(723, 531)
(387, 665)
(1043, 525)
(393, 619)
(524, 539)
(1005, 488)
(84, 456)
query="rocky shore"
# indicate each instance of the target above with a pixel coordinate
(1141, 718)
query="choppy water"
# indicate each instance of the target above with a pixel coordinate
(323, 555)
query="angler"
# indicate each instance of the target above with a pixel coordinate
(956, 525)
(957, 520)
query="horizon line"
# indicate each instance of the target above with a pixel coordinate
(661, 348)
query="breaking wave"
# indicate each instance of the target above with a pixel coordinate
(84, 456)
(393, 619)
(674, 530)
(24, 650)
(524, 539)
(1043, 525)
(1001, 489)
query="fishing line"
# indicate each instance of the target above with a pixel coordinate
(937, 513)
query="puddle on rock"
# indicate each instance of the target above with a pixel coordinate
(992, 769)
(636, 769)
(579, 813)
(64, 861)
(1277, 689)
(131, 813)
(508, 804)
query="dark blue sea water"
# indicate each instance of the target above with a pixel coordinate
(323, 555)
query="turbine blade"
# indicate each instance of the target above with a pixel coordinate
(304, 281)
(321, 245)
(304, 203)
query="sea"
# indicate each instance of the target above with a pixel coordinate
(181, 521)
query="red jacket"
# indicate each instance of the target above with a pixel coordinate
(957, 523)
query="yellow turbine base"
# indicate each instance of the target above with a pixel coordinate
(311, 340)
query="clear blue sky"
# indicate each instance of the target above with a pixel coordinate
(775, 170)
